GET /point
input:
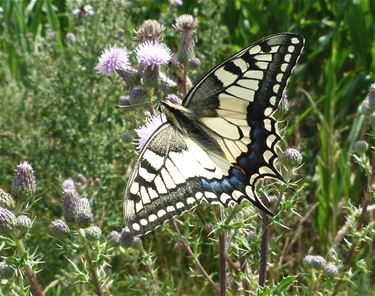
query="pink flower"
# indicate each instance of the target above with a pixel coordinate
(152, 54)
(112, 59)
(147, 130)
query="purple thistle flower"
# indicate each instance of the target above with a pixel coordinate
(7, 220)
(150, 54)
(84, 216)
(68, 184)
(113, 59)
(114, 237)
(146, 131)
(69, 203)
(24, 184)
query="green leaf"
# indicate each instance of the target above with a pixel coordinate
(285, 283)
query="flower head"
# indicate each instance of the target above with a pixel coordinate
(68, 184)
(59, 228)
(114, 237)
(23, 222)
(137, 95)
(147, 130)
(81, 178)
(69, 203)
(175, 2)
(331, 270)
(186, 22)
(84, 216)
(186, 25)
(113, 59)
(70, 37)
(371, 95)
(126, 237)
(292, 157)
(7, 219)
(194, 63)
(93, 233)
(150, 30)
(360, 147)
(24, 180)
(316, 262)
(5, 270)
(6, 200)
(152, 54)
(123, 101)
(174, 99)
(284, 103)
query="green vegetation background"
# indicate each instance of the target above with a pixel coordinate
(59, 114)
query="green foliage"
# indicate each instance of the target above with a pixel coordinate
(60, 115)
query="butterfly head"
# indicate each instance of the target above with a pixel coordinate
(177, 115)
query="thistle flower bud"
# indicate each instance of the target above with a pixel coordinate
(97, 182)
(70, 38)
(251, 235)
(129, 76)
(123, 101)
(23, 184)
(137, 95)
(371, 96)
(174, 99)
(7, 220)
(372, 119)
(114, 238)
(113, 59)
(68, 184)
(331, 270)
(51, 36)
(175, 3)
(126, 237)
(194, 63)
(150, 30)
(93, 233)
(317, 262)
(81, 178)
(283, 104)
(364, 107)
(69, 203)
(292, 157)
(5, 270)
(127, 137)
(23, 222)
(186, 25)
(6, 200)
(137, 242)
(59, 228)
(360, 147)
(84, 216)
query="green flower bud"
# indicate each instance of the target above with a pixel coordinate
(93, 233)
(84, 216)
(59, 228)
(6, 200)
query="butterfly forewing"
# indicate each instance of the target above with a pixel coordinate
(235, 102)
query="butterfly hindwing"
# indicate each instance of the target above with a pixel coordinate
(167, 180)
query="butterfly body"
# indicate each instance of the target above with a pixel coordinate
(219, 143)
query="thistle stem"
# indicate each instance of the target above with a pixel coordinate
(264, 251)
(223, 247)
(36, 288)
(188, 249)
(93, 272)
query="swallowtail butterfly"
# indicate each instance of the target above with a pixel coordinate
(219, 142)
